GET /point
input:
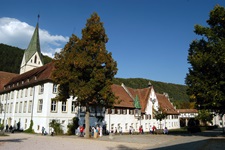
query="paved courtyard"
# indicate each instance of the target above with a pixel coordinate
(206, 140)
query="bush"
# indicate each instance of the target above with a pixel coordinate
(193, 126)
(30, 130)
(1, 127)
(56, 126)
(73, 126)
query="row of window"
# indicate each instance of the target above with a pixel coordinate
(24, 92)
(26, 106)
(146, 126)
(124, 111)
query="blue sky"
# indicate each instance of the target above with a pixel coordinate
(148, 38)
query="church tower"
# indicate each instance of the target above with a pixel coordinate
(32, 57)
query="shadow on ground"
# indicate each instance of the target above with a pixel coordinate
(13, 140)
(209, 144)
(206, 133)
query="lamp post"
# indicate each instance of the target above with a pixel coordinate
(137, 114)
(1, 110)
(153, 102)
(4, 124)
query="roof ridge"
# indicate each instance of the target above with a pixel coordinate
(128, 92)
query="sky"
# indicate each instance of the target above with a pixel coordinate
(147, 38)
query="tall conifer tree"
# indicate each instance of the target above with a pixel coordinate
(85, 69)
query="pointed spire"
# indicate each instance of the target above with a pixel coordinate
(38, 18)
(34, 45)
(32, 57)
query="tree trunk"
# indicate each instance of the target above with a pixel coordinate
(87, 123)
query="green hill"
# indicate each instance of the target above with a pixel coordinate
(11, 58)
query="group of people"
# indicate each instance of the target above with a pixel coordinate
(116, 131)
(153, 130)
(44, 132)
(95, 131)
(9, 129)
(131, 130)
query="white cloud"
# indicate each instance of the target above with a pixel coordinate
(16, 33)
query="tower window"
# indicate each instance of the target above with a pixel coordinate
(35, 59)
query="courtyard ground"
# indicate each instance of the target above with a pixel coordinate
(205, 140)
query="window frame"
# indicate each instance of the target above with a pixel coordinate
(53, 106)
(64, 107)
(40, 105)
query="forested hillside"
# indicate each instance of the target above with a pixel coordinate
(11, 58)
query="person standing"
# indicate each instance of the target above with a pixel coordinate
(7, 128)
(100, 132)
(150, 130)
(115, 130)
(154, 130)
(43, 130)
(81, 131)
(52, 131)
(165, 130)
(121, 130)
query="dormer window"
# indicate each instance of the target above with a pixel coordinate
(22, 82)
(35, 78)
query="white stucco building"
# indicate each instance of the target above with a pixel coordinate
(30, 96)
(186, 114)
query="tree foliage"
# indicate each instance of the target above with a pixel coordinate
(73, 126)
(85, 69)
(205, 116)
(159, 114)
(206, 77)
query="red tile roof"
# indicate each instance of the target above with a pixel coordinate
(5, 77)
(123, 97)
(143, 95)
(29, 78)
(166, 105)
(187, 110)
